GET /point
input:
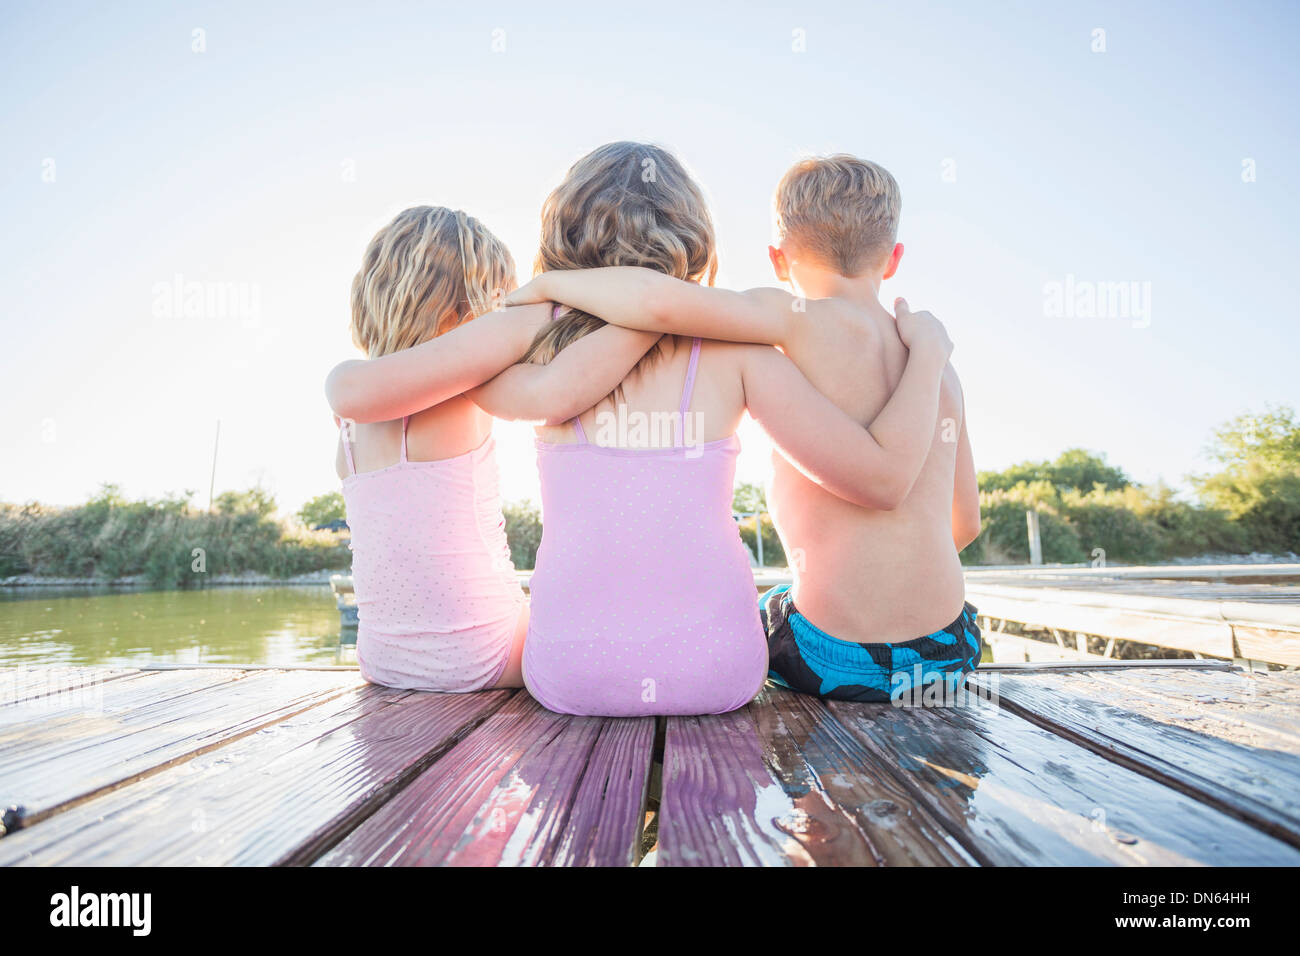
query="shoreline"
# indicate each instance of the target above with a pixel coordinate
(141, 583)
(322, 578)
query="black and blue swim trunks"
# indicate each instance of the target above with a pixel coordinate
(805, 658)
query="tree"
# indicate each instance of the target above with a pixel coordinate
(255, 501)
(323, 509)
(1073, 468)
(1259, 484)
(1270, 440)
(748, 498)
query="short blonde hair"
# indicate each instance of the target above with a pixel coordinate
(841, 210)
(623, 204)
(426, 272)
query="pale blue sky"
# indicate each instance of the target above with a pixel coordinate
(227, 166)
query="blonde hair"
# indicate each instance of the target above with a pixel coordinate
(841, 210)
(424, 273)
(623, 204)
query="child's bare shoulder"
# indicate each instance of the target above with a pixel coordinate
(838, 321)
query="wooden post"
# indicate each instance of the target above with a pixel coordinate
(212, 484)
(1035, 540)
(758, 535)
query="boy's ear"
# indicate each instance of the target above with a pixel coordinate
(894, 258)
(780, 265)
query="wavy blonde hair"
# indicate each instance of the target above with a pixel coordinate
(623, 204)
(423, 274)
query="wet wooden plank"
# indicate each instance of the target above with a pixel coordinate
(781, 782)
(1016, 794)
(280, 795)
(608, 810)
(527, 787)
(144, 722)
(1231, 739)
(1267, 701)
(25, 684)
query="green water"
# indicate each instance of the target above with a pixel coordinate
(238, 625)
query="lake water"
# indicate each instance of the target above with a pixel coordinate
(236, 625)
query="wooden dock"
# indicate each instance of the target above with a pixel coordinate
(1244, 613)
(1107, 763)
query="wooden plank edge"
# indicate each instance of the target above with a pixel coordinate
(163, 666)
(1126, 756)
(1108, 664)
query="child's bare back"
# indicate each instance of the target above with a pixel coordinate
(851, 565)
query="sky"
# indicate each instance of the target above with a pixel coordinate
(1050, 156)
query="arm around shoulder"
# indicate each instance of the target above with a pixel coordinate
(409, 381)
(576, 379)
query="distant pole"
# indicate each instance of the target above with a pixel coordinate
(758, 535)
(1035, 539)
(212, 484)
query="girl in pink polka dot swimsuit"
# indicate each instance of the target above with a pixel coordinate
(439, 605)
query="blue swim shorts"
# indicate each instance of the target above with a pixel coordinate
(805, 658)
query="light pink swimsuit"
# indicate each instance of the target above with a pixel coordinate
(643, 601)
(437, 597)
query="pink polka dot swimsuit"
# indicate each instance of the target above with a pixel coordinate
(643, 601)
(437, 597)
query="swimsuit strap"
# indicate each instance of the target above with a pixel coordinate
(347, 447)
(687, 390)
(404, 421)
(689, 387)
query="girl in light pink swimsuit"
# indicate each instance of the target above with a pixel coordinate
(438, 602)
(643, 600)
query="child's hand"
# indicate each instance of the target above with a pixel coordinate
(921, 329)
(531, 291)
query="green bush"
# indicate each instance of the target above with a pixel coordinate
(111, 538)
(523, 532)
(1004, 533)
(773, 551)
(1112, 524)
